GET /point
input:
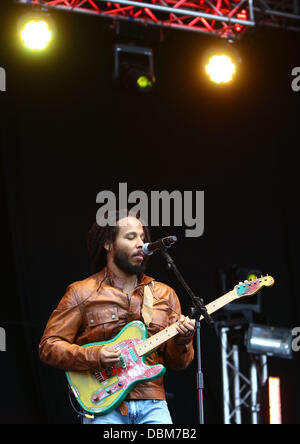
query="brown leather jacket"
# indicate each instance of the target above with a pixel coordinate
(94, 310)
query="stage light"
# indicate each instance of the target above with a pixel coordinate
(220, 68)
(36, 30)
(144, 82)
(230, 276)
(252, 277)
(274, 401)
(134, 67)
(36, 34)
(134, 77)
(271, 341)
(220, 62)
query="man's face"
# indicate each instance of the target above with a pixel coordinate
(127, 248)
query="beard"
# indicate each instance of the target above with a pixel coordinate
(121, 259)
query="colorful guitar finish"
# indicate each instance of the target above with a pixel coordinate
(102, 391)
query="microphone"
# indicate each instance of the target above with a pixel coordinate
(165, 242)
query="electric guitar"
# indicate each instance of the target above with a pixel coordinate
(99, 392)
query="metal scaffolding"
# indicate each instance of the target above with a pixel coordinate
(228, 19)
(241, 389)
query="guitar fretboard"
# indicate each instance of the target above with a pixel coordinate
(220, 302)
(152, 343)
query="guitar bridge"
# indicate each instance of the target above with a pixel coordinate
(99, 376)
(104, 392)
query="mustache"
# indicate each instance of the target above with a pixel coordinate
(139, 253)
(123, 261)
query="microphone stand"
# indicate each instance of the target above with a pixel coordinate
(195, 312)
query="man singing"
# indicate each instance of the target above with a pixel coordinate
(97, 308)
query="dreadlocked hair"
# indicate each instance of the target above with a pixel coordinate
(99, 234)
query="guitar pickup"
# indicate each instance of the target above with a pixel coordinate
(132, 354)
(122, 362)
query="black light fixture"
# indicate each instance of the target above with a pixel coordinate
(271, 341)
(133, 67)
(231, 276)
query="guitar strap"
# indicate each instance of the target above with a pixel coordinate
(147, 308)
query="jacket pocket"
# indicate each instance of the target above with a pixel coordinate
(102, 322)
(159, 321)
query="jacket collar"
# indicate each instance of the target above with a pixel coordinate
(114, 281)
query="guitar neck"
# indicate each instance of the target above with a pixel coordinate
(214, 306)
(151, 344)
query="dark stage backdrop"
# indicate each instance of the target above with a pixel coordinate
(67, 133)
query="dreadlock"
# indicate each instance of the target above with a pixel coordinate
(98, 235)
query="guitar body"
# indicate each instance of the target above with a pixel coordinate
(101, 392)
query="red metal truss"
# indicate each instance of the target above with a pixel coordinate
(223, 18)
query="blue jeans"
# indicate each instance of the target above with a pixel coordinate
(139, 412)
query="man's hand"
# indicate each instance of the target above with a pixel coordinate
(186, 330)
(109, 356)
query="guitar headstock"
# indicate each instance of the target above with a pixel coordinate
(248, 288)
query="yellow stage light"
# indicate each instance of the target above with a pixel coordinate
(220, 68)
(36, 34)
(144, 82)
(252, 276)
